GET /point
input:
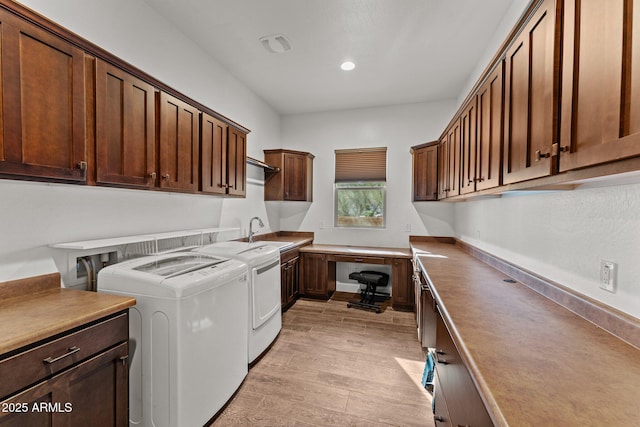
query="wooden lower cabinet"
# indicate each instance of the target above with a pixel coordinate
(318, 275)
(441, 415)
(402, 286)
(456, 388)
(71, 389)
(290, 277)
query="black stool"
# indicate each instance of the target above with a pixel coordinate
(371, 280)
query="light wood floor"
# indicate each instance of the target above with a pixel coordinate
(333, 366)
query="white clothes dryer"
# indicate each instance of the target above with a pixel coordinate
(263, 262)
(188, 335)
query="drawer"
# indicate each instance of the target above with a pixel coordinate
(40, 362)
(289, 255)
(359, 259)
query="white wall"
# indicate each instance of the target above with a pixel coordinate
(395, 127)
(34, 215)
(562, 236)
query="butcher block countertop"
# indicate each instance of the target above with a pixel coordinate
(534, 362)
(37, 308)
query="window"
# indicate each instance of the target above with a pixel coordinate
(360, 187)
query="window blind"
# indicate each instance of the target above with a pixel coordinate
(361, 164)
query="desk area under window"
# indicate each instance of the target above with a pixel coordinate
(319, 270)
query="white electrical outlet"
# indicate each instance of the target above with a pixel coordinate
(608, 275)
(407, 227)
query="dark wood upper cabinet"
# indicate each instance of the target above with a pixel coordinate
(453, 146)
(179, 147)
(531, 98)
(443, 166)
(425, 172)
(490, 127)
(213, 144)
(601, 83)
(43, 104)
(223, 158)
(237, 162)
(294, 179)
(125, 128)
(468, 145)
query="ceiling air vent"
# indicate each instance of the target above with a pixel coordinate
(276, 43)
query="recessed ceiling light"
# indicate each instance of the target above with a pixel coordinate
(348, 66)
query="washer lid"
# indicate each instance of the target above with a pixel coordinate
(178, 265)
(172, 276)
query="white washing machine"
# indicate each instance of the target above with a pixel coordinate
(263, 261)
(188, 335)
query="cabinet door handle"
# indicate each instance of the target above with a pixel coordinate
(152, 175)
(82, 165)
(70, 351)
(540, 155)
(123, 359)
(166, 177)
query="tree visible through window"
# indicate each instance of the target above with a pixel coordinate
(360, 189)
(360, 204)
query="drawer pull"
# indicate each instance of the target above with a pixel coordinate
(69, 352)
(358, 260)
(443, 362)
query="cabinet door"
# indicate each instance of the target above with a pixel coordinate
(43, 104)
(213, 155)
(295, 177)
(490, 127)
(402, 290)
(425, 173)
(443, 167)
(530, 93)
(462, 399)
(237, 162)
(179, 144)
(125, 128)
(318, 275)
(601, 82)
(290, 281)
(468, 143)
(95, 393)
(453, 143)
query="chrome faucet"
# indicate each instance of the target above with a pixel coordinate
(251, 232)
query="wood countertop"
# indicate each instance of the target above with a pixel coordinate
(37, 308)
(359, 251)
(534, 362)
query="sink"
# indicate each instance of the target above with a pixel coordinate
(276, 243)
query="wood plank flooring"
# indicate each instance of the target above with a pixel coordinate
(334, 366)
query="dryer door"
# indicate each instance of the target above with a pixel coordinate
(265, 292)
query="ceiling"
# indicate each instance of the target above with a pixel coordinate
(405, 51)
